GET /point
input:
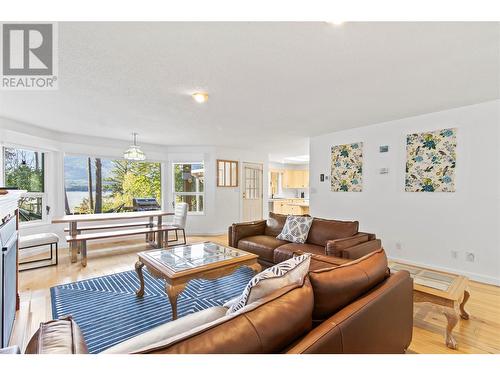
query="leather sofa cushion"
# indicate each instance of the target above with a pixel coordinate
(275, 224)
(167, 331)
(336, 287)
(268, 325)
(263, 246)
(323, 230)
(61, 336)
(288, 250)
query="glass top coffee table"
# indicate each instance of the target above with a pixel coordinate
(178, 265)
(441, 288)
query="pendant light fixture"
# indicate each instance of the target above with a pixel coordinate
(134, 152)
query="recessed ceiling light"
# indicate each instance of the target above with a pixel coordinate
(200, 97)
(336, 23)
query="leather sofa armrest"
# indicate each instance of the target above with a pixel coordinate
(242, 230)
(371, 236)
(361, 249)
(336, 247)
(60, 336)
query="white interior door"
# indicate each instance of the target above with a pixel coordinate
(252, 191)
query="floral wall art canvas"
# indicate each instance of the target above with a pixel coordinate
(431, 161)
(347, 167)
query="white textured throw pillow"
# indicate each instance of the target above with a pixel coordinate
(289, 272)
(296, 229)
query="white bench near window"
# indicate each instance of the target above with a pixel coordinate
(39, 240)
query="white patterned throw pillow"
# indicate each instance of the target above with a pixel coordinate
(289, 272)
(296, 229)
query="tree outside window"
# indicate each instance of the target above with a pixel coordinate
(25, 170)
(189, 185)
(97, 185)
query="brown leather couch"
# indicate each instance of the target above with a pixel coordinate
(358, 307)
(335, 238)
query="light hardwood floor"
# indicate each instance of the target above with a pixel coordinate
(480, 334)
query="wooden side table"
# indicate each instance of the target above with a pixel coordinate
(449, 291)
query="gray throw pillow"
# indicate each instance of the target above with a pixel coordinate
(296, 229)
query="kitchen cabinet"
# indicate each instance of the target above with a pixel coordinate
(295, 179)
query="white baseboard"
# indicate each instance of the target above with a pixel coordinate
(486, 279)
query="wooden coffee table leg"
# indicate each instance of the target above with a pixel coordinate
(138, 269)
(452, 318)
(256, 267)
(464, 314)
(173, 292)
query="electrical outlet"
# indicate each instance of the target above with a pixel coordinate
(399, 246)
(454, 254)
(470, 257)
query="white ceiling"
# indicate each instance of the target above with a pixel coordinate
(271, 84)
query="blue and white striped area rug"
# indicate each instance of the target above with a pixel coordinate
(108, 311)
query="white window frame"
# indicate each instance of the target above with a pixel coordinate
(190, 193)
(29, 194)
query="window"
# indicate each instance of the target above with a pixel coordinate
(25, 170)
(252, 183)
(189, 185)
(227, 173)
(97, 185)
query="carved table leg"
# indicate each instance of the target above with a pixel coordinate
(464, 314)
(452, 319)
(256, 267)
(173, 292)
(138, 269)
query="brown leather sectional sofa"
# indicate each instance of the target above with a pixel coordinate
(357, 307)
(335, 238)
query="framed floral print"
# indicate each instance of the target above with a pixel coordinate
(347, 167)
(431, 161)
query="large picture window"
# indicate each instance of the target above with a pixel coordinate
(189, 185)
(97, 185)
(25, 170)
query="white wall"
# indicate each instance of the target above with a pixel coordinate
(428, 226)
(222, 205)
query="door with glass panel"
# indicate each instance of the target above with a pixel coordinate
(252, 191)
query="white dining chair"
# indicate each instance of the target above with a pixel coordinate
(178, 224)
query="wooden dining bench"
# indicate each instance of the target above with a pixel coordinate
(153, 228)
(112, 226)
(82, 238)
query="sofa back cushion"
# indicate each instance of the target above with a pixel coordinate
(323, 230)
(265, 326)
(275, 224)
(336, 287)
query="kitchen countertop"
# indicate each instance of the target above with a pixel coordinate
(284, 199)
(299, 204)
